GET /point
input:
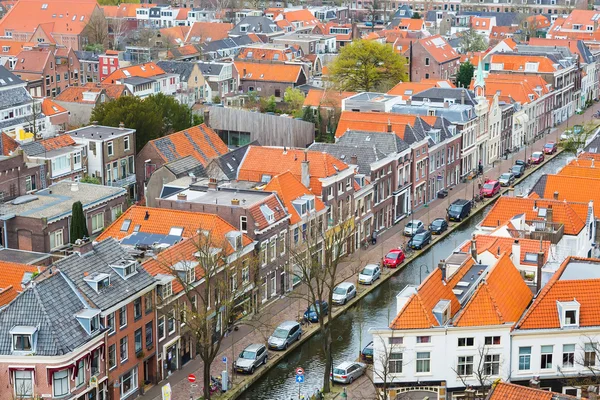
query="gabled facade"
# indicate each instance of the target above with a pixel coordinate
(60, 156)
(432, 58)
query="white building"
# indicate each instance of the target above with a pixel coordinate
(167, 84)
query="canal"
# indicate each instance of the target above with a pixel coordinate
(377, 309)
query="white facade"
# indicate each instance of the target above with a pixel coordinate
(494, 129)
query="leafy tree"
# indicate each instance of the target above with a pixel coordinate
(416, 15)
(216, 99)
(153, 117)
(366, 66)
(90, 179)
(294, 99)
(78, 223)
(465, 74)
(268, 105)
(470, 40)
(308, 115)
(96, 48)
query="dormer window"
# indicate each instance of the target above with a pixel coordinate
(186, 270)
(24, 339)
(268, 213)
(89, 319)
(125, 268)
(235, 240)
(165, 290)
(568, 313)
(97, 281)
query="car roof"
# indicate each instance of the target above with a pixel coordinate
(439, 219)
(492, 182)
(345, 285)
(460, 202)
(287, 324)
(536, 152)
(254, 347)
(395, 250)
(371, 265)
(550, 144)
(415, 221)
(345, 364)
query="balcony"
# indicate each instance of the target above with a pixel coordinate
(127, 181)
(539, 229)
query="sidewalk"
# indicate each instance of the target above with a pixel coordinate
(257, 329)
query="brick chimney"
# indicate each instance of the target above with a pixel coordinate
(181, 197)
(516, 253)
(212, 184)
(549, 214)
(540, 265)
(354, 159)
(555, 195)
(305, 171)
(442, 267)
(206, 115)
(474, 248)
(83, 246)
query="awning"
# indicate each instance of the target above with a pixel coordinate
(51, 370)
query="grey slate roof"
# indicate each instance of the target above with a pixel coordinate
(230, 162)
(50, 304)
(182, 68)
(209, 69)
(8, 78)
(540, 186)
(365, 154)
(11, 97)
(403, 11)
(217, 49)
(387, 144)
(255, 25)
(594, 145)
(89, 56)
(138, 80)
(439, 94)
(183, 166)
(33, 148)
(99, 260)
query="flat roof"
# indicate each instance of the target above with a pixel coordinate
(222, 196)
(99, 132)
(23, 257)
(578, 270)
(469, 281)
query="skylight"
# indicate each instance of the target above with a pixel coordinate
(125, 225)
(176, 231)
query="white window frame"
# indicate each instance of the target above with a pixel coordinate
(126, 144)
(80, 379)
(125, 319)
(110, 149)
(133, 377)
(124, 340)
(21, 390)
(95, 221)
(54, 242)
(63, 376)
(113, 346)
(162, 320)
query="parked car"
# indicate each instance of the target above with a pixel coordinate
(348, 371)
(537, 157)
(550, 148)
(566, 135)
(490, 189)
(521, 162)
(437, 226)
(343, 293)
(506, 179)
(369, 274)
(413, 226)
(517, 170)
(367, 353)
(251, 358)
(420, 240)
(459, 210)
(284, 335)
(394, 258)
(315, 311)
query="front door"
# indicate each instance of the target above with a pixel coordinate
(171, 359)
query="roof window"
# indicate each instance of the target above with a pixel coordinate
(125, 226)
(89, 319)
(44, 6)
(568, 313)
(125, 268)
(268, 213)
(176, 231)
(24, 339)
(186, 270)
(97, 281)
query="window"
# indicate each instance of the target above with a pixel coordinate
(56, 239)
(492, 340)
(524, 358)
(589, 354)
(423, 362)
(161, 328)
(115, 212)
(423, 339)
(464, 342)
(123, 349)
(263, 253)
(122, 317)
(245, 275)
(95, 363)
(23, 384)
(546, 358)
(21, 342)
(568, 355)
(97, 222)
(30, 183)
(109, 148)
(148, 302)
(137, 338)
(171, 322)
(112, 356)
(80, 379)
(395, 363)
(570, 317)
(126, 143)
(244, 223)
(60, 383)
(129, 382)
(491, 364)
(395, 340)
(465, 365)
(273, 249)
(149, 338)
(137, 308)
(165, 290)
(426, 61)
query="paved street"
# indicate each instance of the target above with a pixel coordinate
(291, 307)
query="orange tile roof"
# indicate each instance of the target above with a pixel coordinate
(74, 94)
(274, 204)
(516, 62)
(325, 98)
(502, 31)
(161, 220)
(407, 89)
(175, 34)
(517, 87)
(287, 73)
(570, 44)
(185, 51)
(50, 108)
(538, 21)
(11, 277)
(481, 22)
(410, 24)
(572, 215)
(373, 122)
(273, 161)
(289, 188)
(497, 245)
(113, 90)
(510, 391)
(543, 313)
(201, 32)
(9, 145)
(590, 156)
(580, 171)
(259, 53)
(571, 189)
(502, 297)
(145, 70)
(199, 141)
(13, 47)
(439, 48)
(302, 15)
(579, 17)
(65, 16)
(32, 61)
(338, 36)
(124, 10)
(57, 142)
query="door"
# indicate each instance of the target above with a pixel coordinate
(171, 359)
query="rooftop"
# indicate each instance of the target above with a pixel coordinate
(98, 132)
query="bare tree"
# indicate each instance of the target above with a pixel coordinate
(96, 29)
(586, 359)
(388, 360)
(373, 12)
(35, 118)
(482, 368)
(117, 27)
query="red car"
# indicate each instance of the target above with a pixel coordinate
(490, 189)
(537, 157)
(550, 148)
(394, 258)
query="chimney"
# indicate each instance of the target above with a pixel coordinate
(235, 202)
(305, 176)
(83, 246)
(442, 267)
(206, 114)
(534, 382)
(462, 96)
(146, 216)
(74, 187)
(409, 101)
(181, 197)
(212, 184)
(592, 163)
(474, 248)
(354, 159)
(389, 126)
(540, 265)
(556, 195)
(516, 253)
(121, 125)
(550, 214)
(446, 104)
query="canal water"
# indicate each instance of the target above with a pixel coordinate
(377, 309)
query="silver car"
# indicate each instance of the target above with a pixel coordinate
(413, 227)
(369, 274)
(251, 358)
(348, 371)
(285, 334)
(343, 293)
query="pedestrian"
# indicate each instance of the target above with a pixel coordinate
(374, 238)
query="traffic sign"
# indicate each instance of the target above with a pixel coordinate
(192, 378)
(224, 360)
(299, 371)
(300, 378)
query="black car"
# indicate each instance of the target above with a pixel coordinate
(520, 162)
(437, 226)
(420, 240)
(518, 170)
(459, 210)
(313, 312)
(367, 353)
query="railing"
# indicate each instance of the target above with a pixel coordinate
(550, 231)
(129, 180)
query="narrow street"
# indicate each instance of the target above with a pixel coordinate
(377, 308)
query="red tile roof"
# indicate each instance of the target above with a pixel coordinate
(200, 141)
(57, 142)
(50, 108)
(407, 89)
(439, 48)
(517, 87)
(289, 188)
(13, 47)
(9, 145)
(516, 62)
(31, 61)
(142, 70)
(74, 94)
(11, 278)
(497, 245)
(274, 205)
(325, 98)
(287, 73)
(510, 391)
(373, 122)
(201, 32)
(113, 90)
(273, 161)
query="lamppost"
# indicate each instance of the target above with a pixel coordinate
(421, 272)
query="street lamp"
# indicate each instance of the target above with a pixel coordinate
(421, 272)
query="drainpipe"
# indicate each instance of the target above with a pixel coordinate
(5, 235)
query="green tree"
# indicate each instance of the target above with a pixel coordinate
(269, 104)
(416, 15)
(90, 179)
(470, 40)
(308, 115)
(294, 99)
(78, 223)
(465, 74)
(366, 66)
